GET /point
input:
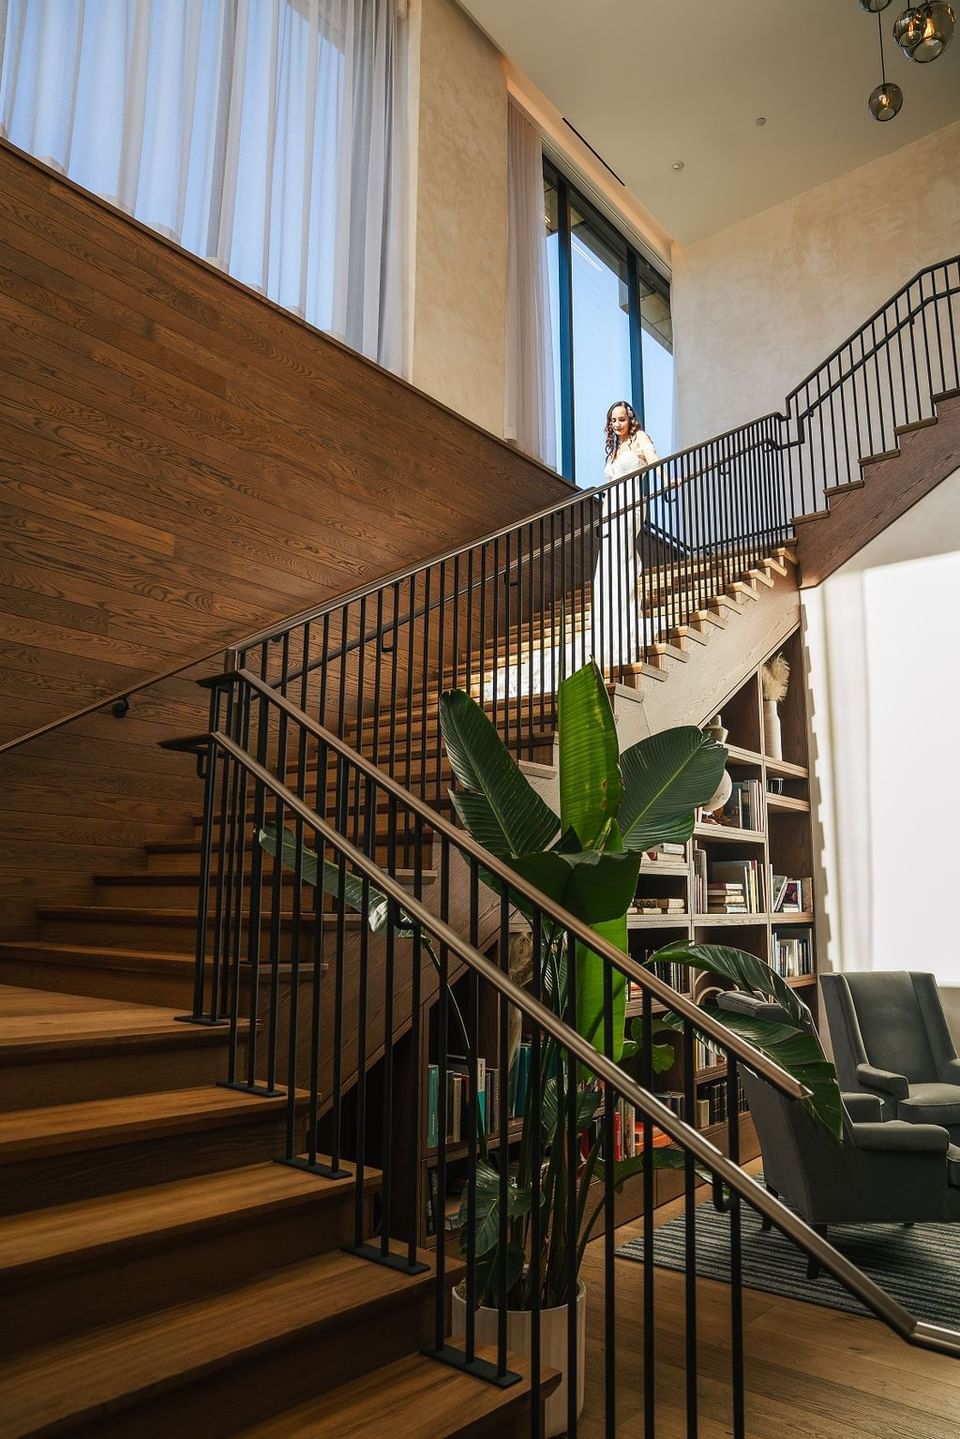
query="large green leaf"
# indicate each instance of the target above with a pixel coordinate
(487, 1227)
(800, 1055)
(327, 878)
(745, 971)
(591, 969)
(589, 756)
(497, 804)
(794, 1047)
(588, 1102)
(592, 886)
(664, 778)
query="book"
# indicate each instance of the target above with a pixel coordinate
(433, 1106)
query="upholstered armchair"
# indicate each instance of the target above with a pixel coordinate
(890, 1039)
(883, 1172)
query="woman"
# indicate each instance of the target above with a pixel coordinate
(628, 447)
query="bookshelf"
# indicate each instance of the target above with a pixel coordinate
(777, 840)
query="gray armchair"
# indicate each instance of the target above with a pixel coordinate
(883, 1172)
(890, 1039)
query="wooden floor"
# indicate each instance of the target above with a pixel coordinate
(811, 1372)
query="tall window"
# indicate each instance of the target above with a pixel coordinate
(266, 137)
(612, 336)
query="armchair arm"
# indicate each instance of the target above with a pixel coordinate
(883, 1079)
(896, 1136)
(951, 1072)
(863, 1107)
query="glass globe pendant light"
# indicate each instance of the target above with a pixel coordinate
(923, 32)
(872, 6)
(885, 101)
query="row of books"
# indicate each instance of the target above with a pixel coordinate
(712, 1103)
(655, 904)
(676, 974)
(791, 896)
(744, 808)
(728, 886)
(792, 957)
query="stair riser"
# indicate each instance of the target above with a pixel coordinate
(268, 1382)
(43, 1180)
(132, 1069)
(136, 985)
(167, 1269)
(133, 984)
(174, 936)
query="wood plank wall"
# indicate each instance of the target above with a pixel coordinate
(181, 463)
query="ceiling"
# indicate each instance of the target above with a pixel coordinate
(651, 82)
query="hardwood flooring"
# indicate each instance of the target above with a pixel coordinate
(811, 1372)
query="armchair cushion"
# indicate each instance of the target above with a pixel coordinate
(862, 1108)
(931, 1104)
(883, 1079)
(953, 1165)
(897, 1136)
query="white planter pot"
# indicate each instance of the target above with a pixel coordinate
(553, 1345)
(772, 744)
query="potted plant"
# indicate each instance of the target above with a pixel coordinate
(613, 807)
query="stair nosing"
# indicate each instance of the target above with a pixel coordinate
(76, 1255)
(87, 1353)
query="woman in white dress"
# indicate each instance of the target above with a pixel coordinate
(628, 448)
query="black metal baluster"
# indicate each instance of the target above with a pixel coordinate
(649, 1333)
(571, 1178)
(690, 1235)
(736, 1254)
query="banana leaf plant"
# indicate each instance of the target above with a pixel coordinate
(613, 807)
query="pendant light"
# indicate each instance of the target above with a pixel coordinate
(885, 101)
(923, 32)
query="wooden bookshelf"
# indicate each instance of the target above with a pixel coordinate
(782, 844)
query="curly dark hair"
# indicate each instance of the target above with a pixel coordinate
(610, 438)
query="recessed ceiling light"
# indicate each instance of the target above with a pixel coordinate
(677, 165)
(760, 120)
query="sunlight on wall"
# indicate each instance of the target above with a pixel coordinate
(914, 778)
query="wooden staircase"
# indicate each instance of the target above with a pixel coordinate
(220, 1300)
(214, 1301)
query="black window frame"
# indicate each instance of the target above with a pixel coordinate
(639, 270)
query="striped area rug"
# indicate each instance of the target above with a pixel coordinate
(918, 1267)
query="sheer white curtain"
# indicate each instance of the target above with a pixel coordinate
(265, 135)
(886, 694)
(529, 401)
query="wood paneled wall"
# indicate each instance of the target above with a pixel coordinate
(181, 463)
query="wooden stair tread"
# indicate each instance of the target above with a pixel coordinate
(109, 956)
(417, 1397)
(39, 1024)
(132, 1118)
(98, 1373)
(79, 1234)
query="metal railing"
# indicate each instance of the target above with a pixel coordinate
(612, 572)
(343, 970)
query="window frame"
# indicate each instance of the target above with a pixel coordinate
(639, 270)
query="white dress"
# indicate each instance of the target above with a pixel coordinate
(635, 452)
(618, 628)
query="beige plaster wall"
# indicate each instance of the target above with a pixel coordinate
(460, 214)
(758, 305)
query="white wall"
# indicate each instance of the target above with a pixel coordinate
(881, 634)
(759, 305)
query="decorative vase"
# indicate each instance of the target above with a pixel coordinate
(553, 1345)
(772, 742)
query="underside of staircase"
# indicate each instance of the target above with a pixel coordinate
(890, 483)
(221, 1299)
